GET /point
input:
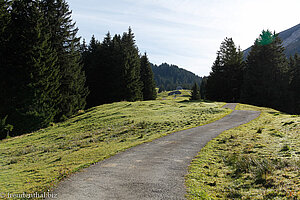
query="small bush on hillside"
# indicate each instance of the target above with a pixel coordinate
(5, 128)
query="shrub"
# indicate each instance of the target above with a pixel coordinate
(5, 128)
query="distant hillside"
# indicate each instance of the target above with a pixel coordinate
(169, 77)
(290, 39)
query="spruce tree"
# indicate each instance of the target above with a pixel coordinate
(264, 79)
(215, 81)
(225, 80)
(117, 78)
(31, 75)
(131, 67)
(91, 60)
(149, 91)
(294, 85)
(195, 94)
(4, 19)
(113, 69)
(67, 45)
(4, 37)
(203, 87)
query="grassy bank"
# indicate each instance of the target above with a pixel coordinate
(37, 161)
(258, 160)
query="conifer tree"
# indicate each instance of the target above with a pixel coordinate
(149, 91)
(203, 87)
(294, 85)
(31, 75)
(67, 45)
(113, 69)
(104, 68)
(4, 19)
(4, 36)
(215, 81)
(195, 94)
(131, 64)
(225, 80)
(117, 77)
(264, 79)
(94, 75)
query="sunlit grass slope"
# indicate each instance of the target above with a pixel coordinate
(259, 160)
(185, 94)
(37, 161)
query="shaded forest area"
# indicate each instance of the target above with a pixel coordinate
(266, 78)
(41, 76)
(47, 76)
(115, 70)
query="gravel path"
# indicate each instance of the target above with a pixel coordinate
(153, 170)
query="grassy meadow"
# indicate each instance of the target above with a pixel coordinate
(37, 161)
(258, 160)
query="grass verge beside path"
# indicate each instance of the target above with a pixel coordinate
(37, 161)
(258, 160)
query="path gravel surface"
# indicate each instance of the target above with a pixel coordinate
(152, 171)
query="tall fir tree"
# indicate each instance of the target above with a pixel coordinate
(4, 20)
(131, 64)
(4, 37)
(117, 72)
(264, 80)
(113, 69)
(225, 80)
(31, 77)
(203, 87)
(104, 65)
(195, 93)
(63, 33)
(91, 61)
(294, 86)
(149, 90)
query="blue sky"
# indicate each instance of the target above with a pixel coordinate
(186, 33)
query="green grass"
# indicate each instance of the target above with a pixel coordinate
(37, 161)
(185, 94)
(258, 160)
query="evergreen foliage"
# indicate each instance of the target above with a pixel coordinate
(265, 81)
(266, 37)
(225, 80)
(131, 64)
(31, 76)
(5, 128)
(195, 94)
(149, 91)
(169, 77)
(113, 69)
(41, 77)
(203, 87)
(63, 32)
(294, 86)
(4, 36)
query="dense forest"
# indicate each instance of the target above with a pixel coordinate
(47, 76)
(41, 76)
(266, 78)
(169, 77)
(115, 70)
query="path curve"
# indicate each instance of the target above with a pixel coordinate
(151, 171)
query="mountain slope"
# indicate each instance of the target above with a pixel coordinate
(290, 39)
(169, 77)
